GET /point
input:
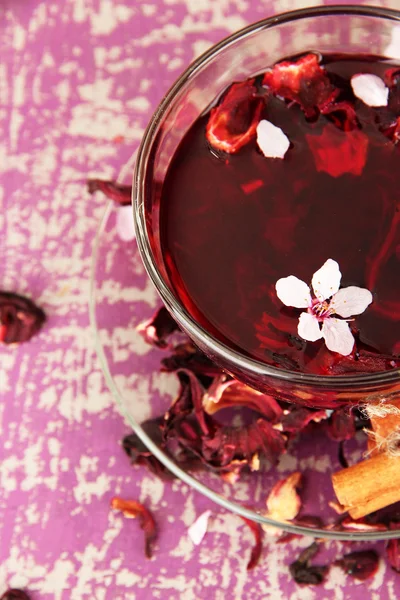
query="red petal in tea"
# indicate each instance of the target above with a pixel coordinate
(393, 554)
(132, 510)
(233, 123)
(306, 574)
(360, 565)
(20, 318)
(341, 424)
(14, 594)
(304, 82)
(336, 152)
(257, 548)
(157, 330)
(342, 114)
(120, 194)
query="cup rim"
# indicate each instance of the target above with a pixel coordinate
(173, 304)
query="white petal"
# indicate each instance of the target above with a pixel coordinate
(271, 140)
(125, 228)
(370, 89)
(326, 280)
(292, 291)
(308, 328)
(198, 529)
(337, 336)
(351, 301)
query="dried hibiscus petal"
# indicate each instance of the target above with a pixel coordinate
(283, 502)
(360, 565)
(132, 510)
(14, 594)
(304, 82)
(20, 318)
(138, 452)
(233, 123)
(120, 194)
(393, 554)
(187, 356)
(157, 329)
(336, 152)
(257, 548)
(224, 393)
(341, 425)
(304, 573)
(342, 114)
(299, 417)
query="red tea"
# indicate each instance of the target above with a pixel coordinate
(234, 221)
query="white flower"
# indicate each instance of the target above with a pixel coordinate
(271, 140)
(370, 89)
(322, 309)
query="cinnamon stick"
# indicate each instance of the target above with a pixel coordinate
(369, 485)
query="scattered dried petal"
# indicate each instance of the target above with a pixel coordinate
(299, 417)
(138, 452)
(257, 548)
(233, 123)
(360, 565)
(132, 510)
(304, 573)
(393, 554)
(304, 82)
(341, 424)
(222, 394)
(361, 525)
(187, 356)
(198, 529)
(283, 502)
(125, 226)
(120, 194)
(20, 318)
(15, 594)
(336, 152)
(370, 89)
(157, 330)
(271, 140)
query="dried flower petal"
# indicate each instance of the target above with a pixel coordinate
(138, 452)
(157, 329)
(271, 140)
(132, 510)
(223, 394)
(233, 123)
(370, 89)
(257, 548)
(120, 194)
(198, 529)
(187, 356)
(125, 226)
(304, 82)
(20, 318)
(341, 424)
(360, 565)
(304, 573)
(14, 594)
(393, 554)
(299, 417)
(336, 152)
(361, 525)
(283, 502)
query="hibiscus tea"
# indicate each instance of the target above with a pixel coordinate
(244, 205)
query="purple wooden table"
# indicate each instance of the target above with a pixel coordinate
(79, 80)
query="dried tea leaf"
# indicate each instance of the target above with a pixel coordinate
(306, 574)
(360, 565)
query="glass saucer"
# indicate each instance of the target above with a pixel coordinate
(121, 297)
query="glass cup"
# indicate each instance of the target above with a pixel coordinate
(345, 29)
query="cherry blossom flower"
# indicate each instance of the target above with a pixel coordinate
(319, 321)
(370, 89)
(271, 140)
